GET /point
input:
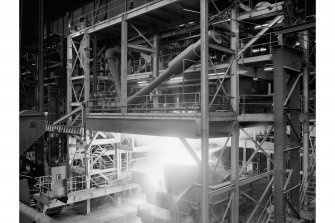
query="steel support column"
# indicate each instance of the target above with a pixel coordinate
(87, 157)
(204, 112)
(234, 84)
(155, 66)
(40, 56)
(39, 147)
(124, 64)
(86, 66)
(69, 95)
(69, 73)
(268, 166)
(306, 106)
(95, 59)
(279, 134)
(294, 142)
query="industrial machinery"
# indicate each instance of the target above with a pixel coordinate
(229, 82)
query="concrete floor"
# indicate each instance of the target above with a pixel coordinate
(104, 210)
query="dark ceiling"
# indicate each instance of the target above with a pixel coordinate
(52, 9)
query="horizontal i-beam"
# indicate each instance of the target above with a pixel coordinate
(141, 48)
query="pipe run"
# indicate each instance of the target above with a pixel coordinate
(114, 67)
(183, 61)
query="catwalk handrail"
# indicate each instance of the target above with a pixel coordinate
(181, 103)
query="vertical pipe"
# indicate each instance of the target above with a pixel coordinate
(306, 106)
(124, 63)
(86, 65)
(155, 67)
(40, 56)
(234, 83)
(268, 166)
(95, 59)
(87, 157)
(118, 161)
(69, 95)
(245, 152)
(155, 59)
(204, 112)
(20, 31)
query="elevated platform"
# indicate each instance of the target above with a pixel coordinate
(83, 195)
(161, 124)
(170, 124)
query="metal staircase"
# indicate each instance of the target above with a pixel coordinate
(76, 130)
(308, 189)
(68, 123)
(96, 156)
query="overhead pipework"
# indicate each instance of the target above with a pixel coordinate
(181, 62)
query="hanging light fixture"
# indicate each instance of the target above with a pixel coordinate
(268, 67)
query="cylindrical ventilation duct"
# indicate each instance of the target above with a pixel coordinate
(183, 61)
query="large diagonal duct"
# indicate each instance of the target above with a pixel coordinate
(183, 61)
(114, 67)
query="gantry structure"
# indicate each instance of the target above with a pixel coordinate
(110, 91)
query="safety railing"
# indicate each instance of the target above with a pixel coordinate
(104, 12)
(103, 105)
(164, 103)
(262, 46)
(171, 103)
(167, 103)
(141, 65)
(256, 104)
(43, 184)
(220, 103)
(77, 183)
(98, 181)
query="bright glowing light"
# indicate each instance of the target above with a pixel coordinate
(268, 68)
(255, 50)
(260, 26)
(220, 73)
(262, 49)
(162, 151)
